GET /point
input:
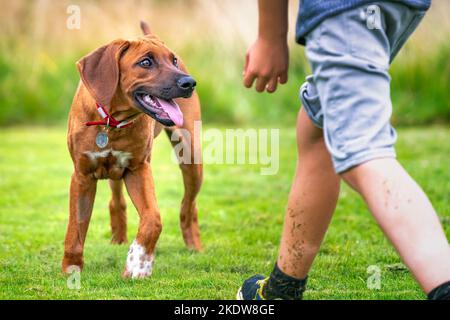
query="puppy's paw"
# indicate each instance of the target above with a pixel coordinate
(139, 263)
(71, 263)
(119, 240)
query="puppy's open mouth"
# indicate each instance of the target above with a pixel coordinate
(164, 111)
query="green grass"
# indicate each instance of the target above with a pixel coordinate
(241, 215)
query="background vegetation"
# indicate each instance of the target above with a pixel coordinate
(240, 218)
(38, 53)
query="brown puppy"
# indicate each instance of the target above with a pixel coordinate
(134, 81)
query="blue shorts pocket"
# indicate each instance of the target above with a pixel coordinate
(311, 102)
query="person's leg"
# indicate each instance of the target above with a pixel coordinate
(352, 80)
(407, 218)
(311, 203)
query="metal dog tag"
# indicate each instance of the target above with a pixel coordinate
(101, 140)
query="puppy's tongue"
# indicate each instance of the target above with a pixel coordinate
(172, 109)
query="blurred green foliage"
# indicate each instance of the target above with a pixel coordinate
(40, 89)
(38, 77)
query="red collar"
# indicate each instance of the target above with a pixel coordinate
(108, 120)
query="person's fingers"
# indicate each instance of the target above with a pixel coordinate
(283, 77)
(261, 83)
(249, 77)
(272, 85)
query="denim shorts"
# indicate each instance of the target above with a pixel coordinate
(348, 93)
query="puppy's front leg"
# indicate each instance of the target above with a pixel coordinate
(82, 195)
(141, 190)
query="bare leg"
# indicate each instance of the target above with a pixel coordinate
(82, 195)
(407, 218)
(118, 213)
(311, 203)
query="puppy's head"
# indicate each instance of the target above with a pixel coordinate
(146, 73)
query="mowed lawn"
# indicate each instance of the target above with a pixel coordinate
(241, 216)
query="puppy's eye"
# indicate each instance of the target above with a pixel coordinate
(146, 63)
(175, 62)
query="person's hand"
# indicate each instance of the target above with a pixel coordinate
(267, 62)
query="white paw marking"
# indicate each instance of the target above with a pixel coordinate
(139, 263)
(122, 157)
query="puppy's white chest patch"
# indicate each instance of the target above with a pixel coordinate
(139, 263)
(122, 157)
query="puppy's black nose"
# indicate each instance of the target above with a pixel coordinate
(186, 83)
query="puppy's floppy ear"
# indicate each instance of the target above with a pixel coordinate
(99, 71)
(145, 28)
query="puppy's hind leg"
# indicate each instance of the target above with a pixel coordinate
(192, 179)
(118, 213)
